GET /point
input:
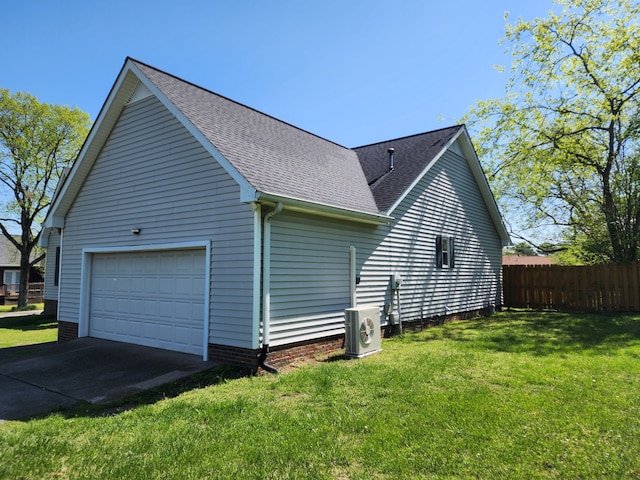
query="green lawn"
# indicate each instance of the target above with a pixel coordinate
(516, 395)
(17, 331)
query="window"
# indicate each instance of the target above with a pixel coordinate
(444, 251)
(12, 277)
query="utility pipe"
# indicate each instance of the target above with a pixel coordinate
(352, 276)
(266, 288)
(399, 310)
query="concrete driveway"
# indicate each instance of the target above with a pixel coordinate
(36, 379)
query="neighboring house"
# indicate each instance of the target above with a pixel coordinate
(526, 260)
(193, 223)
(10, 271)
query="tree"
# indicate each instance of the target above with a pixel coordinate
(522, 248)
(37, 141)
(564, 144)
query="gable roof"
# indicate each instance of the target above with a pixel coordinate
(271, 160)
(273, 156)
(528, 260)
(411, 157)
(9, 254)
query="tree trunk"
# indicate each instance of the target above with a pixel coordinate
(23, 292)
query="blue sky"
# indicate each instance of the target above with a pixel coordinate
(352, 71)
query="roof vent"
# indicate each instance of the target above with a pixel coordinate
(390, 151)
(140, 92)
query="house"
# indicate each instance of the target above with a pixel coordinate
(515, 259)
(10, 271)
(193, 223)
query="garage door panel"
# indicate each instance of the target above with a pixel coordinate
(149, 298)
(123, 284)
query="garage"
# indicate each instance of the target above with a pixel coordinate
(152, 298)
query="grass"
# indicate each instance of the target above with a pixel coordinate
(13, 308)
(517, 395)
(27, 330)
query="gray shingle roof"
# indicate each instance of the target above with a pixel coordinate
(273, 156)
(412, 155)
(9, 254)
(274, 161)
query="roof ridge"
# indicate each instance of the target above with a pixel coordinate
(410, 136)
(236, 102)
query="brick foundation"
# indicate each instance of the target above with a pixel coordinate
(278, 356)
(50, 307)
(67, 331)
(235, 356)
(419, 324)
(283, 355)
(286, 354)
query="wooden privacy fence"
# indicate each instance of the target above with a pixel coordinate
(600, 288)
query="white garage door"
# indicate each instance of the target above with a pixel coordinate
(149, 298)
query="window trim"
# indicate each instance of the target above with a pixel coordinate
(445, 251)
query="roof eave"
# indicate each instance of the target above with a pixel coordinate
(322, 209)
(483, 185)
(110, 112)
(125, 84)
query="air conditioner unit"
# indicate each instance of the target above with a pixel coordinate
(362, 329)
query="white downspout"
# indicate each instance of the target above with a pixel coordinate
(266, 287)
(59, 279)
(352, 276)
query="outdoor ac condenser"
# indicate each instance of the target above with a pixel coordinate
(362, 330)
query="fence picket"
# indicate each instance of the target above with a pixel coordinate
(588, 288)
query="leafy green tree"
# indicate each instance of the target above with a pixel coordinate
(37, 141)
(563, 145)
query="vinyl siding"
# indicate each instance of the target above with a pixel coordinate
(310, 275)
(153, 175)
(310, 258)
(50, 287)
(446, 201)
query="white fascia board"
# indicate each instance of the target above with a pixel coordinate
(304, 206)
(485, 189)
(107, 118)
(193, 130)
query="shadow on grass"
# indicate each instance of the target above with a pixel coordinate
(545, 333)
(29, 322)
(215, 376)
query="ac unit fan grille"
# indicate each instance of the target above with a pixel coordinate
(366, 330)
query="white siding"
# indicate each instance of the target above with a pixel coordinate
(446, 202)
(153, 175)
(310, 258)
(50, 287)
(310, 275)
